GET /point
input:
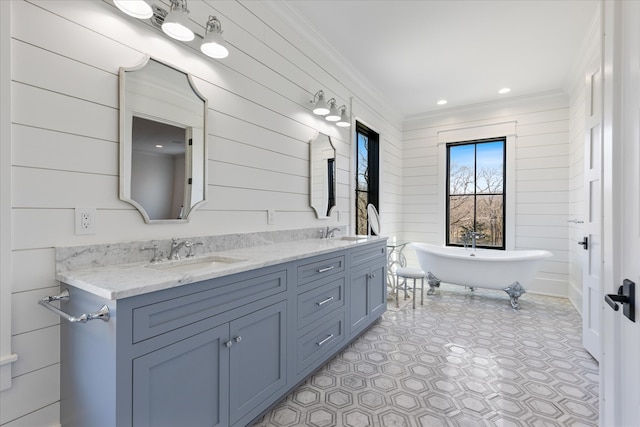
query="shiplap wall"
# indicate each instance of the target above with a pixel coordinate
(64, 145)
(589, 59)
(541, 178)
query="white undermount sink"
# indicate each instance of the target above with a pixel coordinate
(196, 263)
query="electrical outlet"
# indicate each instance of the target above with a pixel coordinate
(271, 216)
(85, 220)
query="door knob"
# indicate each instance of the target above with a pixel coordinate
(584, 243)
(626, 296)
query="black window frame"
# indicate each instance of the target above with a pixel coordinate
(373, 171)
(476, 142)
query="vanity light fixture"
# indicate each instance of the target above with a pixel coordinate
(344, 121)
(334, 114)
(213, 44)
(320, 106)
(330, 110)
(137, 8)
(176, 23)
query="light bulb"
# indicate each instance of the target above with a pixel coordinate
(213, 45)
(137, 8)
(175, 26)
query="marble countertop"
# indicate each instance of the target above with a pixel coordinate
(127, 280)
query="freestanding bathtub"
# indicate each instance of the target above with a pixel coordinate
(510, 271)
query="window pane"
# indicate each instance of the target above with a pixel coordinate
(362, 200)
(363, 163)
(460, 217)
(490, 167)
(489, 220)
(461, 169)
(475, 192)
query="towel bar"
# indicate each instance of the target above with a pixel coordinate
(102, 313)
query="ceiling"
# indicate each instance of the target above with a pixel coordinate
(417, 52)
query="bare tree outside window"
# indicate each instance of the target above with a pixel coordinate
(366, 174)
(475, 193)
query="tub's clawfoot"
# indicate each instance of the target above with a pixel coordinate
(433, 282)
(515, 290)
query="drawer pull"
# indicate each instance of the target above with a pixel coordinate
(325, 301)
(323, 270)
(325, 340)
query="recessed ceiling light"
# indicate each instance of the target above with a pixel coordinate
(159, 145)
(442, 102)
(504, 90)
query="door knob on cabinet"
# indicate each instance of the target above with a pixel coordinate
(238, 338)
(228, 344)
(626, 296)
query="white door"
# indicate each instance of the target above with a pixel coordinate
(620, 369)
(592, 254)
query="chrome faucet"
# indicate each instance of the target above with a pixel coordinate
(329, 233)
(175, 248)
(474, 235)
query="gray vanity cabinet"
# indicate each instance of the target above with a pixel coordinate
(367, 290)
(258, 363)
(211, 353)
(215, 377)
(183, 384)
(321, 307)
(217, 352)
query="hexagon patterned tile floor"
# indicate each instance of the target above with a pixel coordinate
(462, 359)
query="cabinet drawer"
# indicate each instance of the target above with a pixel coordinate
(368, 254)
(155, 319)
(320, 268)
(320, 341)
(315, 303)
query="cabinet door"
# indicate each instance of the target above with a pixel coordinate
(358, 299)
(183, 384)
(377, 291)
(258, 358)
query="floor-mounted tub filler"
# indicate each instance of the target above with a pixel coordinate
(510, 271)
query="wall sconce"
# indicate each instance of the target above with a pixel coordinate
(320, 106)
(334, 114)
(213, 44)
(175, 24)
(344, 121)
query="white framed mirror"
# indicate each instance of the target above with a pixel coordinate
(322, 174)
(163, 150)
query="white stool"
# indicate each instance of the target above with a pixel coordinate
(411, 273)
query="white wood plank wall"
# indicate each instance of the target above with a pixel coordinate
(541, 178)
(64, 99)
